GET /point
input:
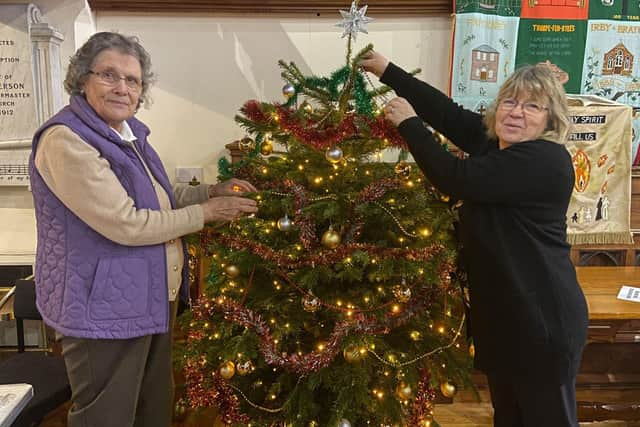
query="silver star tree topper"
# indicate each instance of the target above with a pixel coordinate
(354, 20)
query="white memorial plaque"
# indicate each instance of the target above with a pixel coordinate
(17, 100)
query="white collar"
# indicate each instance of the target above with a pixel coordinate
(127, 133)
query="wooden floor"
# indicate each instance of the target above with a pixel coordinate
(466, 411)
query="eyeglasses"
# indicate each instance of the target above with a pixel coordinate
(529, 107)
(111, 78)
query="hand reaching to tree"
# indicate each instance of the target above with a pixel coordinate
(374, 63)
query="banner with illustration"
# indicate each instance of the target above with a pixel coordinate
(593, 47)
(599, 145)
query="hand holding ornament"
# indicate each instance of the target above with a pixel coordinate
(374, 63)
(232, 187)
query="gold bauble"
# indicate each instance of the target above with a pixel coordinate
(306, 107)
(440, 139)
(403, 391)
(352, 354)
(310, 303)
(313, 423)
(246, 144)
(232, 271)
(266, 148)
(180, 409)
(448, 389)
(402, 293)
(402, 169)
(444, 198)
(426, 421)
(472, 350)
(227, 370)
(415, 335)
(244, 368)
(331, 239)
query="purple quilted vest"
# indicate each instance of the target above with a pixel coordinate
(88, 286)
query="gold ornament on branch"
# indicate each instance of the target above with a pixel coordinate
(352, 353)
(227, 370)
(244, 368)
(306, 107)
(311, 303)
(402, 293)
(266, 148)
(448, 389)
(403, 391)
(247, 144)
(472, 350)
(402, 169)
(331, 239)
(232, 271)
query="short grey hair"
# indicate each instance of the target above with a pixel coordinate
(542, 85)
(82, 61)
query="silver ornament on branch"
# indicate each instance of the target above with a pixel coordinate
(288, 90)
(284, 223)
(344, 423)
(333, 154)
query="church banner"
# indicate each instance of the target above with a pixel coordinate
(592, 45)
(600, 147)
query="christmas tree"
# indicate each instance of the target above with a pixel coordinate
(339, 303)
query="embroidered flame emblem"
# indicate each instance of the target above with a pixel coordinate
(602, 160)
(582, 167)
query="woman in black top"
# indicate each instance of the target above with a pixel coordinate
(528, 314)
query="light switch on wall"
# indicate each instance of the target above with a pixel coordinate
(188, 174)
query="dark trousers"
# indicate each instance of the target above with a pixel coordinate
(120, 383)
(525, 404)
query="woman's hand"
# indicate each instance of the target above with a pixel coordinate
(374, 62)
(398, 110)
(227, 208)
(232, 187)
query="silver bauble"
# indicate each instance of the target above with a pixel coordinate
(288, 90)
(284, 223)
(344, 423)
(333, 154)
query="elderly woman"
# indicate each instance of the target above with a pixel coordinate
(528, 314)
(110, 259)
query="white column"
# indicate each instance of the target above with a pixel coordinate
(47, 69)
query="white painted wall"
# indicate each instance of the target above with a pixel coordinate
(207, 66)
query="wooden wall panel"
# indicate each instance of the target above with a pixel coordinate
(376, 7)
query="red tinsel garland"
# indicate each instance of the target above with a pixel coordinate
(327, 136)
(423, 402)
(311, 362)
(322, 257)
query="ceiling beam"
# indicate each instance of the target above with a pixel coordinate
(376, 7)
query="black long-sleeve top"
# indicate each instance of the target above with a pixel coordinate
(528, 314)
